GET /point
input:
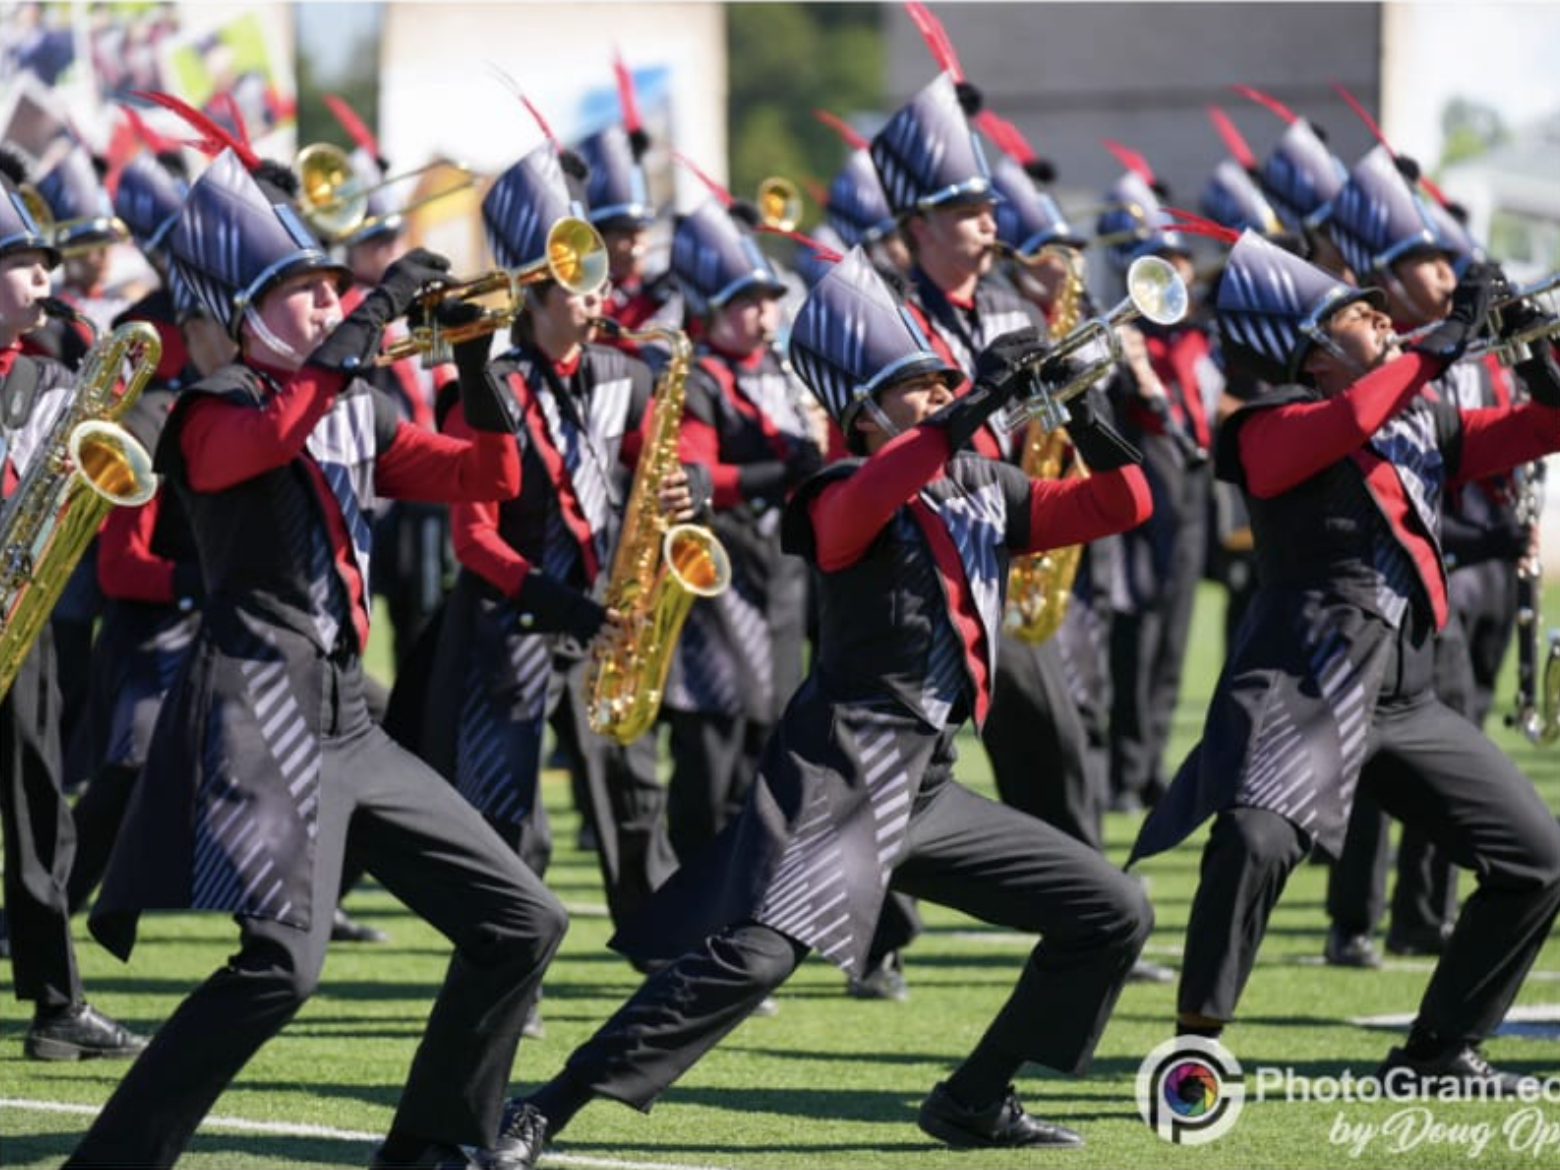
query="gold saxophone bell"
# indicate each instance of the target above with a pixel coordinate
(1155, 291)
(576, 258)
(779, 204)
(333, 200)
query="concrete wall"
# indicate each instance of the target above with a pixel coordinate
(1070, 74)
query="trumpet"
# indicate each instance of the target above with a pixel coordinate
(576, 258)
(1509, 345)
(334, 200)
(1512, 345)
(1154, 291)
(779, 204)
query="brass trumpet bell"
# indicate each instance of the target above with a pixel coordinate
(779, 204)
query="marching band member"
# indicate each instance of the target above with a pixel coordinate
(264, 752)
(147, 565)
(512, 645)
(911, 541)
(1161, 562)
(739, 657)
(39, 835)
(618, 195)
(1329, 690)
(412, 537)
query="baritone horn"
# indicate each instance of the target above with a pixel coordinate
(576, 258)
(1155, 291)
(779, 204)
(334, 200)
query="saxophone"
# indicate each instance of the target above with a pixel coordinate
(1536, 717)
(1040, 583)
(657, 570)
(87, 464)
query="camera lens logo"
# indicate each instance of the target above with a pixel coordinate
(1190, 1090)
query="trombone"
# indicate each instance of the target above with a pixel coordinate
(334, 200)
(576, 258)
(1154, 291)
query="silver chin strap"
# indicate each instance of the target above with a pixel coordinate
(1321, 339)
(875, 413)
(271, 340)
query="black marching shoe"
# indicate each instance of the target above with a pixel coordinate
(345, 928)
(1147, 971)
(1346, 949)
(884, 980)
(433, 1156)
(79, 1032)
(522, 1133)
(1461, 1069)
(1003, 1123)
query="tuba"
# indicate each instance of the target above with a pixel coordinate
(657, 570)
(1040, 583)
(87, 464)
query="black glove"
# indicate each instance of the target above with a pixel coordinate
(1462, 324)
(804, 461)
(1003, 371)
(481, 398)
(1094, 437)
(1541, 373)
(1006, 366)
(407, 276)
(549, 606)
(762, 480)
(353, 343)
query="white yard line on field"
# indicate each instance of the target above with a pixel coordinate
(291, 1129)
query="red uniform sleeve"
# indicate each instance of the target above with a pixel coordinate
(848, 514)
(474, 523)
(1286, 445)
(1498, 438)
(473, 465)
(1075, 511)
(127, 568)
(225, 443)
(698, 442)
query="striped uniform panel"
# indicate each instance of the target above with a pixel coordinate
(590, 453)
(488, 772)
(343, 445)
(1408, 442)
(944, 678)
(808, 898)
(775, 393)
(976, 519)
(1280, 772)
(234, 870)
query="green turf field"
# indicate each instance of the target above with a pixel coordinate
(829, 1081)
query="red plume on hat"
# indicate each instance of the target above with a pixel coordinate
(851, 137)
(633, 124)
(1268, 101)
(213, 138)
(1234, 142)
(356, 128)
(1408, 166)
(1181, 220)
(937, 40)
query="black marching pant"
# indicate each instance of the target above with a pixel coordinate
(1424, 898)
(964, 851)
(429, 848)
(1037, 744)
(39, 835)
(714, 761)
(1433, 770)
